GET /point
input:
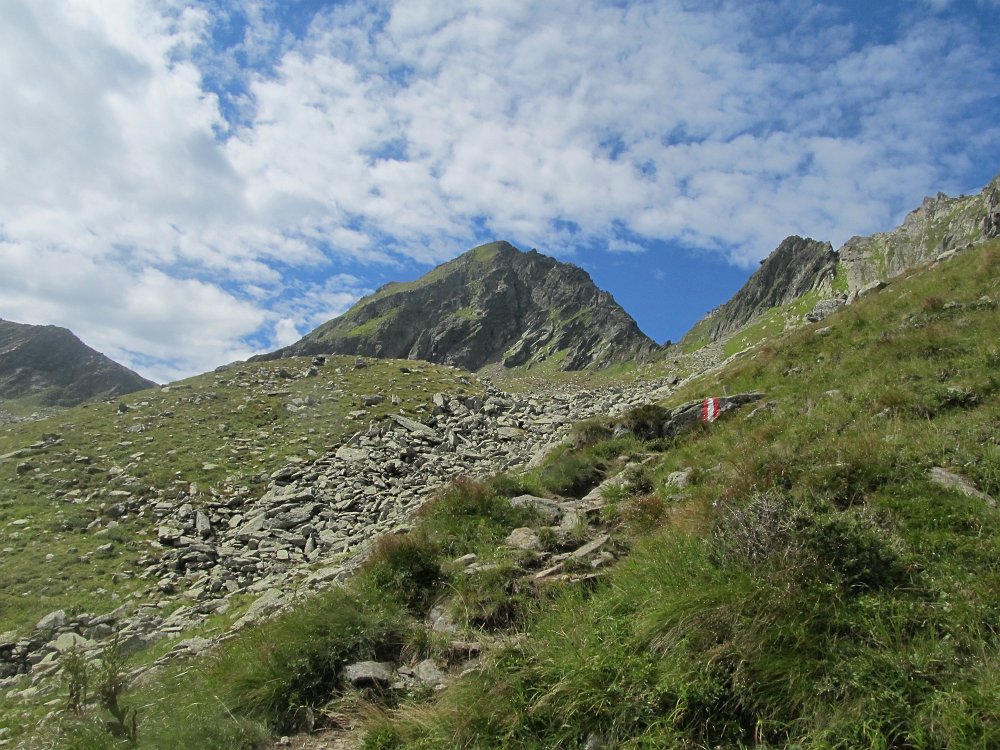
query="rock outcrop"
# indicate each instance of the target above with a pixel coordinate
(796, 267)
(51, 364)
(493, 304)
(941, 224)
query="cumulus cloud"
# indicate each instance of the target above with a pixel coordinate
(188, 183)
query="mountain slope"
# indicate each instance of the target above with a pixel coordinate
(800, 267)
(818, 570)
(795, 268)
(52, 366)
(493, 304)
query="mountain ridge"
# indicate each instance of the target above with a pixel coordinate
(494, 304)
(939, 227)
(52, 365)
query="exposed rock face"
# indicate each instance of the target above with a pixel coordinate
(494, 304)
(939, 225)
(796, 267)
(52, 363)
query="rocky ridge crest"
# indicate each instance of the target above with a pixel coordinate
(53, 364)
(493, 304)
(941, 227)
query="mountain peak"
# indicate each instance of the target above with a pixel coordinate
(51, 364)
(494, 304)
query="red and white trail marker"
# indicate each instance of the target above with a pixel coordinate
(710, 410)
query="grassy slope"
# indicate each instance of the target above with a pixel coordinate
(810, 588)
(223, 432)
(347, 325)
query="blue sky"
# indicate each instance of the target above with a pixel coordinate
(188, 183)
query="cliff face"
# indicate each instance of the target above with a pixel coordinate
(800, 266)
(51, 363)
(796, 267)
(939, 225)
(494, 304)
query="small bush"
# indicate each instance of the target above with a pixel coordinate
(405, 566)
(493, 598)
(471, 516)
(645, 422)
(850, 548)
(645, 513)
(283, 669)
(590, 432)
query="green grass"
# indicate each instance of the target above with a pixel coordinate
(813, 588)
(218, 434)
(372, 325)
(475, 258)
(810, 588)
(771, 323)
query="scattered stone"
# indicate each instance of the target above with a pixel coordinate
(549, 510)
(953, 481)
(68, 641)
(524, 538)
(369, 674)
(679, 479)
(429, 673)
(52, 621)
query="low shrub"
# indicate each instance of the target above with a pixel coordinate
(493, 598)
(283, 669)
(471, 516)
(592, 431)
(771, 536)
(406, 567)
(644, 513)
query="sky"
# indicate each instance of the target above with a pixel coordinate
(185, 184)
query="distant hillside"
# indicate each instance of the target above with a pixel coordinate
(805, 277)
(51, 367)
(493, 304)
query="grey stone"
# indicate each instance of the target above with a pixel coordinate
(524, 538)
(52, 621)
(549, 510)
(68, 641)
(429, 673)
(203, 525)
(953, 481)
(679, 479)
(369, 674)
(266, 604)
(824, 308)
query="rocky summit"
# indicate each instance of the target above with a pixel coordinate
(492, 305)
(797, 267)
(804, 279)
(53, 367)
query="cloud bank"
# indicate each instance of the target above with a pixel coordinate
(184, 184)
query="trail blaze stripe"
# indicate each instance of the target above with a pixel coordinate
(710, 410)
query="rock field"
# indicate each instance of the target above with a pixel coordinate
(310, 528)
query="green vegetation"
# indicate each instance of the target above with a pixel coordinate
(373, 325)
(771, 323)
(466, 313)
(811, 587)
(840, 283)
(697, 338)
(476, 258)
(216, 435)
(808, 585)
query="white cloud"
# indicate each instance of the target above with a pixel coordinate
(134, 211)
